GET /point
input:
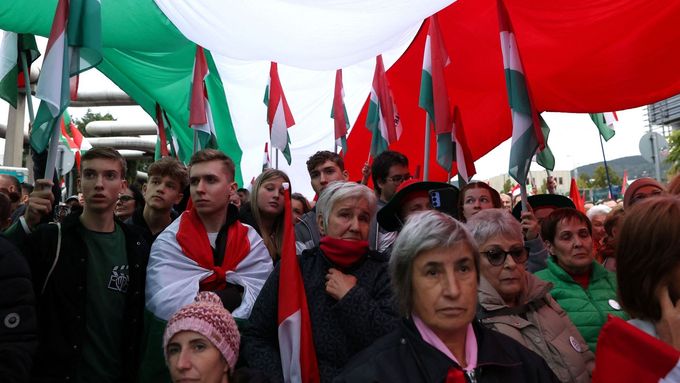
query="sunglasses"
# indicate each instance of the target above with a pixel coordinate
(497, 257)
(125, 198)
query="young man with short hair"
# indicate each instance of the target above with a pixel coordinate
(164, 189)
(205, 249)
(388, 171)
(88, 275)
(324, 167)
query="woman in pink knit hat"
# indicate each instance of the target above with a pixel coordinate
(201, 342)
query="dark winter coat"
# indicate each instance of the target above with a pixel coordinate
(340, 329)
(62, 305)
(18, 328)
(403, 356)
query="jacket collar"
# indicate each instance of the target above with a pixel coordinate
(490, 299)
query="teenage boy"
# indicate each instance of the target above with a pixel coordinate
(88, 275)
(167, 180)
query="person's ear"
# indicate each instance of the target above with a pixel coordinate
(178, 199)
(345, 175)
(319, 221)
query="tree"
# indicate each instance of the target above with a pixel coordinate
(674, 152)
(583, 181)
(89, 117)
(507, 185)
(600, 177)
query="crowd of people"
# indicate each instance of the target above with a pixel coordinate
(178, 279)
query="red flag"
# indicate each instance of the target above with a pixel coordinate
(576, 196)
(296, 346)
(464, 161)
(627, 354)
(339, 113)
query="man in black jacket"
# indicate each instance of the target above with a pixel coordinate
(89, 276)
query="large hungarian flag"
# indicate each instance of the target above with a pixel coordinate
(296, 345)
(74, 46)
(464, 162)
(605, 123)
(527, 137)
(279, 116)
(200, 116)
(339, 113)
(627, 354)
(434, 96)
(11, 49)
(383, 118)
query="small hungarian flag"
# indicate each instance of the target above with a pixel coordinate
(605, 123)
(434, 96)
(339, 113)
(382, 118)
(162, 141)
(11, 47)
(200, 115)
(527, 137)
(74, 45)
(464, 162)
(545, 157)
(627, 354)
(624, 183)
(266, 162)
(73, 140)
(296, 345)
(279, 116)
(576, 196)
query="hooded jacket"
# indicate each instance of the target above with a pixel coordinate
(544, 328)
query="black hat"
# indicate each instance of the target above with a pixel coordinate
(539, 201)
(388, 216)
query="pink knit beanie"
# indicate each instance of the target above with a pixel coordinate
(635, 186)
(209, 318)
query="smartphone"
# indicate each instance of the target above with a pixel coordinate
(445, 200)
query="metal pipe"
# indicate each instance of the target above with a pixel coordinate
(116, 128)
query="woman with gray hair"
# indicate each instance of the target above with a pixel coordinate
(347, 288)
(518, 304)
(434, 268)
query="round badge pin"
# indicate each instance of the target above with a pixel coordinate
(575, 344)
(614, 304)
(12, 320)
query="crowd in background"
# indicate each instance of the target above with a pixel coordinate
(178, 279)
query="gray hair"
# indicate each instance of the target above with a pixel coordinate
(341, 190)
(490, 223)
(422, 232)
(598, 210)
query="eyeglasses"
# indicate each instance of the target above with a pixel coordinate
(399, 178)
(497, 257)
(125, 198)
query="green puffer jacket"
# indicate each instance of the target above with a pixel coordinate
(588, 309)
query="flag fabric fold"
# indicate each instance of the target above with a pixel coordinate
(434, 97)
(605, 123)
(296, 345)
(545, 157)
(382, 118)
(200, 115)
(162, 142)
(339, 113)
(279, 116)
(464, 162)
(11, 77)
(74, 45)
(624, 184)
(628, 354)
(527, 136)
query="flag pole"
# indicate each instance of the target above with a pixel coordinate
(27, 85)
(523, 196)
(606, 168)
(277, 158)
(426, 164)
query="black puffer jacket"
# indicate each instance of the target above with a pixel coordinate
(62, 306)
(18, 329)
(340, 328)
(403, 356)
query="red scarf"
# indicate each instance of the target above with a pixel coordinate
(342, 252)
(582, 279)
(193, 239)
